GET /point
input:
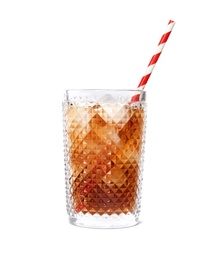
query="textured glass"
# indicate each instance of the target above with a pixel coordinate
(104, 145)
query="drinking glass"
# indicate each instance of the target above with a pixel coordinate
(104, 136)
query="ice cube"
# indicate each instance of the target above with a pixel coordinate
(107, 99)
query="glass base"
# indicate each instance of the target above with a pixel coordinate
(103, 221)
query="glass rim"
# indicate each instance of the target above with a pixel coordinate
(96, 89)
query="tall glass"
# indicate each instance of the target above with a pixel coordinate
(104, 134)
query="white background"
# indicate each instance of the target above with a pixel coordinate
(48, 46)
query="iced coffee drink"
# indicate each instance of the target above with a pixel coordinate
(103, 138)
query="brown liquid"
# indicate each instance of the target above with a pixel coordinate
(104, 151)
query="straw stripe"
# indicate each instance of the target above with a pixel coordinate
(157, 54)
(154, 58)
(160, 48)
(144, 79)
(149, 69)
(164, 38)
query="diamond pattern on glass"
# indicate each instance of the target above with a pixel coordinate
(103, 157)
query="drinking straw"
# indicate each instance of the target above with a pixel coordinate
(155, 58)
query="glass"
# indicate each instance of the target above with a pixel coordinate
(104, 134)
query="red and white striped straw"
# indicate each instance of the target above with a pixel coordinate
(157, 54)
